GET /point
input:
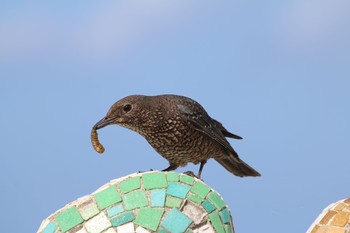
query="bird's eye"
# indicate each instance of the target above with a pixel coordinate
(127, 108)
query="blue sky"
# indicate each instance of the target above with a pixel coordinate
(276, 73)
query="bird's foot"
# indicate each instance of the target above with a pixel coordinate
(191, 173)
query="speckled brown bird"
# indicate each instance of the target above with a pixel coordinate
(179, 129)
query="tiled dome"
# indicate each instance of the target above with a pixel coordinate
(145, 202)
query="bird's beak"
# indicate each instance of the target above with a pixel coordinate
(104, 122)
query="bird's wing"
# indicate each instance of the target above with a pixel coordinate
(205, 124)
(224, 131)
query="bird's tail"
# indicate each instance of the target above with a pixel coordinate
(237, 166)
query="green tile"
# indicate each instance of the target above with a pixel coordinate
(68, 218)
(200, 189)
(154, 180)
(176, 221)
(157, 197)
(50, 228)
(130, 184)
(216, 200)
(178, 190)
(194, 198)
(123, 218)
(172, 177)
(228, 228)
(225, 216)
(173, 202)
(187, 179)
(149, 218)
(216, 222)
(107, 197)
(88, 209)
(135, 199)
(115, 210)
(208, 206)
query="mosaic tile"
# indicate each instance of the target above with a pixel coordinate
(216, 200)
(194, 212)
(141, 230)
(123, 218)
(208, 206)
(115, 210)
(194, 198)
(176, 221)
(88, 209)
(225, 216)
(173, 202)
(98, 223)
(157, 197)
(172, 177)
(126, 228)
(187, 179)
(107, 197)
(68, 218)
(130, 184)
(110, 230)
(149, 218)
(216, 222)
(154, 181)
(50, 228)
(228, 228)
(178, 190)
(135, 199)
(162, 230)
(82, 230)
(205, 229)
(200, 189)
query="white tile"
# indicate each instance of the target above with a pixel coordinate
(126, 228)
(98, 223)
(141, 230)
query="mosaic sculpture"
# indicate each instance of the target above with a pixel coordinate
(145, 202)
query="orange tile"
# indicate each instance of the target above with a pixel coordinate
(341, 219)
(328, 217)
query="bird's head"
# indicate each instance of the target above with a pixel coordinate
(126, 112)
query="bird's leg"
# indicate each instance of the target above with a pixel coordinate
(170, 168)
(201, 168)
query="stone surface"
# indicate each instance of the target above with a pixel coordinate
(145, 202)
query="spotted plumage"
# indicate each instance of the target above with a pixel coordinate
(179, 129)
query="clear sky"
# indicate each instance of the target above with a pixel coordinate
(276, 73)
